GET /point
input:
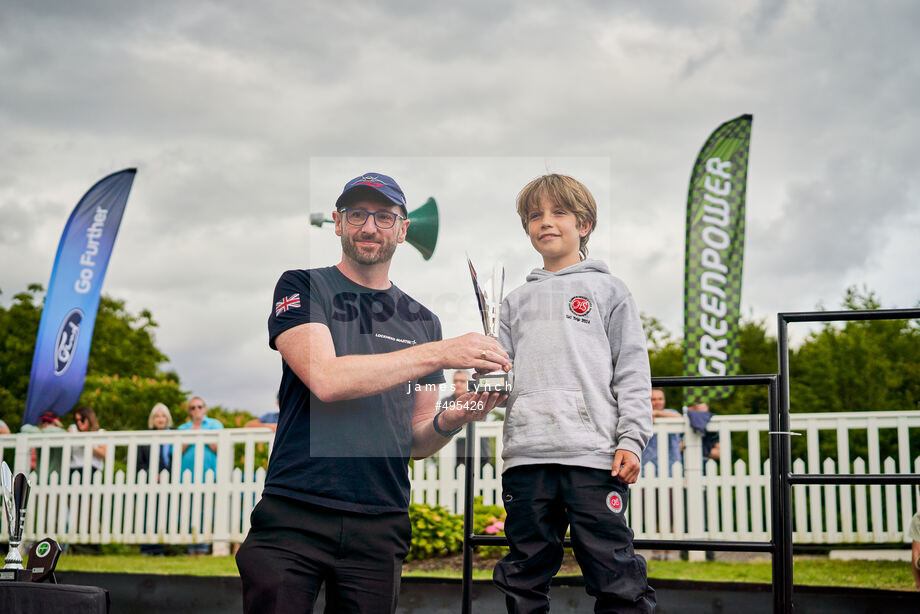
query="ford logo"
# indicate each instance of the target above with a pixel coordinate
(67, 341)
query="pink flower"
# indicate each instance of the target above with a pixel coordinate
(495, 527)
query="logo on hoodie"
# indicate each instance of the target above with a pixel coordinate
(579, 305)
(614, 502)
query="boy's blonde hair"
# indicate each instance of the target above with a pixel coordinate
(566, 192)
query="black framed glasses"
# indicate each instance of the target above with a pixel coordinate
(382, 219)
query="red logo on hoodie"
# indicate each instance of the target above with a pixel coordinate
(579, 305)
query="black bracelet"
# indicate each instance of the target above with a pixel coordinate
(439, 431)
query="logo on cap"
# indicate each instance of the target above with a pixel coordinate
(370, 180)
(614, 502)
(579, 305)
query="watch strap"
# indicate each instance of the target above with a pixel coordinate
(439, 430)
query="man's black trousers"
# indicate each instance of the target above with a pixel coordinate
(542, 501)
(292, 548)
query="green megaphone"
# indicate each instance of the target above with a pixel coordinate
(423, 230)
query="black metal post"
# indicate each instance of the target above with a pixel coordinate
(466, 606)
(782, 505)
(776, 510)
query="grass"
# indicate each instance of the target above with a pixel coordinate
(139, 563)
(890, 575)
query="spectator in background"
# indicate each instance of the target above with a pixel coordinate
(461, 385)
(914, 534)
(48, 422)
(159, 419)
(4, 429)
(459, 388)
(650, 454)
(198, 420)
(85, 421)
(699, 416)
(267, 420)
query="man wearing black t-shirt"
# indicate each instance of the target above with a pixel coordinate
(358, 397)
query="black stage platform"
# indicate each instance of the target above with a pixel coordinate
(149, 594)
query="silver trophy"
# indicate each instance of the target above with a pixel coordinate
(15, 494)
(489, 298)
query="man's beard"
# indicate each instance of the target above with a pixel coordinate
(385, 250)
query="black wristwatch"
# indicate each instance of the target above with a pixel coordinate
(441, 432)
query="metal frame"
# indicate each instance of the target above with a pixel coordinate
(789, 478)
(781, 476)
(779, 546)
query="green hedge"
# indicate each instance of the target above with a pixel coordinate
(436, 532)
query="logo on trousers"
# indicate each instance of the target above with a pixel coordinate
(614, 502)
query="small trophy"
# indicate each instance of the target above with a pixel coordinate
(43, 558)
(15, 494)
(490, 303)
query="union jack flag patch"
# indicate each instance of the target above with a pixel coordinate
(288, 302)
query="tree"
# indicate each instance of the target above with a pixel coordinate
(124, 403)
(18, 328)
(123, 347)
(757, 355)
(123, 342)
(859, 366)
(665, 356)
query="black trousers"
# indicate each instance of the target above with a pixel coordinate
(542, 501)
(292, 548)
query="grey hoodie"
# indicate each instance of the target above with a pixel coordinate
(582, 387)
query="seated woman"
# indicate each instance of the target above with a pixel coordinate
(85, 420)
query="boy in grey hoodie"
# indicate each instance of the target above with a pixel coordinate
(580, 413)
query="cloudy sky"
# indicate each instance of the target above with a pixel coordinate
(244, 117)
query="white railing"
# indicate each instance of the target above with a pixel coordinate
(123, 503)
(730, 500)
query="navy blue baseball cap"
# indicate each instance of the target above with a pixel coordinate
(376, 186)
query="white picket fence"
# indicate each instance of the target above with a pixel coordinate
(730, 500)
(120, 504)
